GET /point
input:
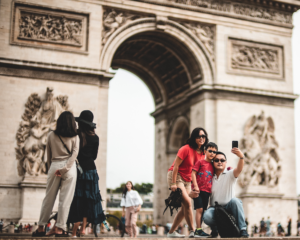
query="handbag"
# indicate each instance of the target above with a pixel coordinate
(79, 168)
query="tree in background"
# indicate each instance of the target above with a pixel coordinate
(143, 188)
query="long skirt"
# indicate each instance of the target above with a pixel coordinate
(87, 199)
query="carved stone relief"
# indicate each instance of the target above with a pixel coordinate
(273, 13)
(262, 163)
(206, 34)
(38, 119)
(114, 19)
(253, 58)
(42, 27)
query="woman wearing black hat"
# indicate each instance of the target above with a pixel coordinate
(86, 205)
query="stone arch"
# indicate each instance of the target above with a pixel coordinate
(178, 134)
(179, 45)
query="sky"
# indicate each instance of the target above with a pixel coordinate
(130, 147)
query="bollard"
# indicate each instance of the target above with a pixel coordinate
(185, 231)
(160, 231)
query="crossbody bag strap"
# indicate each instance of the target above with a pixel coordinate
(64, 144)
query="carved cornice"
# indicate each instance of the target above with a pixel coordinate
(269, 12)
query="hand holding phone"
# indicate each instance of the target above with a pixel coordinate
(235, 144)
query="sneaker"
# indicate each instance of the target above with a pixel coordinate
(213, 234)
(175, 235)
(244, 234)
(200, 234)
(192, 234)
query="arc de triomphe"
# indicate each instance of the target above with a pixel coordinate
(223, 65)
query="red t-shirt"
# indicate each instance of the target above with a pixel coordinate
(205, 172)
(187, 154)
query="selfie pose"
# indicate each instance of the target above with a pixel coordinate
(180, 176)
(223, 192)
(131, 203)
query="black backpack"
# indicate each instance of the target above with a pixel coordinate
(174, 201)
(226, 223)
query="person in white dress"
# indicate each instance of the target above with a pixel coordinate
(131, 203)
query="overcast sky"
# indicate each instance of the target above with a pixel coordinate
(130, 153)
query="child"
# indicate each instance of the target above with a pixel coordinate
(202, 175)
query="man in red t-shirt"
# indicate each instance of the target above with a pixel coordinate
(202, 174)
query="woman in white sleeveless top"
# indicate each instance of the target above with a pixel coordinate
(131, 203)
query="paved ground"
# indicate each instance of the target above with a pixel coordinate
(24, 236)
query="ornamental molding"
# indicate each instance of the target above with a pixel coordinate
(260, 11)
(43, 27)
(113, 19)
(38, 119)
(259, 145)
(255, 59)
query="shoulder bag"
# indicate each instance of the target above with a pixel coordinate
(79, 168)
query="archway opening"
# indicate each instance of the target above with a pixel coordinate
(130, 143)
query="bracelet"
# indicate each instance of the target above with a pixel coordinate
(242, 158)
(173, 184)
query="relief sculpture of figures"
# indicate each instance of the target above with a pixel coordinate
(262, 163)
(50, 28)
(254, 58)
(205, 33)
(38, 119)
(112, 20)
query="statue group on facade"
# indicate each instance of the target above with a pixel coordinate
(262, 162)
(38, 119)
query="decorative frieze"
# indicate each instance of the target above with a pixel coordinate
(252, 58)
(114, 19)
(205, 33)
(261, 11)
(49, 28)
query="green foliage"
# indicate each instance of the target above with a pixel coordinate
(143, 188)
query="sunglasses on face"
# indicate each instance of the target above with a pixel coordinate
(211, 151)
(201, 136)
(219, 160)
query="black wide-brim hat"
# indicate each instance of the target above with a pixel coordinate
(86, 117)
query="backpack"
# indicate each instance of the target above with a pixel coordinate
(174, 201)
(226, 223)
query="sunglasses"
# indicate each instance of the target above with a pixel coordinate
(201, 136)
(219, 160)
(211, 151)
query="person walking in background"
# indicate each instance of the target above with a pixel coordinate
(61, 175)
(131, 203)
(86, 205)
(289, 227)
(268, 227)
(262, 227)
(1, 225)
(280, 230)
(202, 175)
(180, 176)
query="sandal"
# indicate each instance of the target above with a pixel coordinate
(63, 234)
(38, 234)
(51, 232)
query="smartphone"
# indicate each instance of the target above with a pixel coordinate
(235, 144)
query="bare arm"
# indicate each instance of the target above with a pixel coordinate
(178, 161)
(194, 180)
(240, 165)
